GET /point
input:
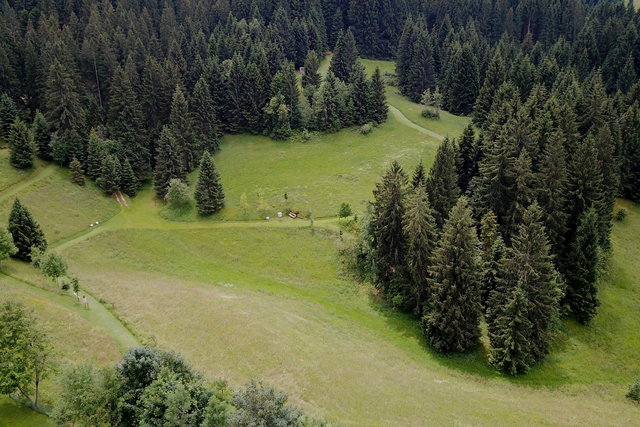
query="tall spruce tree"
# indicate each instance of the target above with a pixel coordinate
(421, 74)
(96, 155)
(511, 348)
(21, 145)
(442, 182)
(25, 231)
(8, 115)
(494, 78)
(582, 273)
(630, 153)
(181, 128)
(311, 77)
(345, 56)
(379, 109)
(41, 136)
(205, 122)
(326, 106)
(452, 322)
(467, 159)
(420, 237)
(209, 194)
(419, 178)
(109, 180)
(169, 162)
(463, 80)
(128, 182)
(76, 172)
(360, 96)
(387, 224)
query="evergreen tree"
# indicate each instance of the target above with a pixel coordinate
(205, 122)
(630, 153)
(420, 236)
(285, 83)
(452, 322)
(181, 128)
(326, 107)
(128, 181)
(7, 248)
(387, 224)
(8, 115)
(511, 349)
(277, 118)
(311, 77)
(529, 265)
(442, 183)
(41, 136)
(467, 159)
(209, 194)
(421, 74)
(419, 178)
(169, 162)
(463, 75)
(21, 145)
(494, 78)
(109, 180)
(360, 96)
(96, 155)
(345, 56)
(582, 273)
(523, 190)
(77, 174)
(379, 109)
(25, 231)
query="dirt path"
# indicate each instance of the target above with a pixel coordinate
(405, 121)
(121, 199)
(38, 175)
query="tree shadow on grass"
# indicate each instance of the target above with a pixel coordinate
(475, 362)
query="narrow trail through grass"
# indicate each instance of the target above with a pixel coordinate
(405, 121)
(38, 175)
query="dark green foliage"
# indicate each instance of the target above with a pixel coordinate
(285, 83)
(63, 102)
(379, 110)
(96, 155)
(630, 153)
(360, 96)
(634, 391)
(181, 128)
(311, 64)
(258, 404)
(21, 145)
(41, 136)
(522, 192)
(344, 211)
(25, 231)
(8, 115)
(421, 238)
(421, 75)
(169, 162)
(387, 226)
(109, 180)
(442, 183)
(510, 348)
(419, 178)
(205, 121)
(326, 106)
(345, 56)
(209, 194)
(77, 174)
(128, 181)
(493, 80)
(463, 84)
(582, 274)
(278, 119)
(467, 159)
(452, 322)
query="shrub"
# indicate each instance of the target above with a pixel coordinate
(366, 129)
(621, 214)
(634, 391)
(430, 113)
(345, 210)
(178, 195)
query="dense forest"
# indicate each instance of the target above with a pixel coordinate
(512, 222)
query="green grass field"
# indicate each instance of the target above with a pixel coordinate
(247, 298)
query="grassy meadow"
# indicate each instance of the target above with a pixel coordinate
(246, 298)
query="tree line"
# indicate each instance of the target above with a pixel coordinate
(111, 90)
(511, 225)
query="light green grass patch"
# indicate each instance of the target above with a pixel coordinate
(14, 414)
(9, 175)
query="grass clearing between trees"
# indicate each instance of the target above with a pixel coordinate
(246, 298)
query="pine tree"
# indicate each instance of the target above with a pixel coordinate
(77, 174)
(169, 162)
(463, 80)
(41, 136)
(467, 159)
(96, 155)
(128, 181)
(421, 74)
(109, 180)
(379, 109)
(182, 130)
(387, 225)
(25, 231)
(285, 83)
(453, 320)
(420, 236)
(8, 115)
(494, 78)
(582, 273)
(419, 178)
(523, 190)
(529, 265)
(511, 348)
(278, 123)
(311, 77)
(209, 194)
(442, 183)
(205, 122)
(326, 107)
(630, 153)
(21, 145)
(345, 56)
(360, 96)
